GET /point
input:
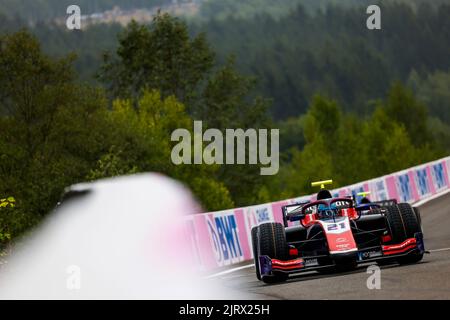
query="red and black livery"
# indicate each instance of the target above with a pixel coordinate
(336, 233)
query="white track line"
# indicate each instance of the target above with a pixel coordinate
(433, 197)
(437, 250)
(229, 271)
(417, 204)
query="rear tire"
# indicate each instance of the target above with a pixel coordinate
(255, 251)
(272, 243)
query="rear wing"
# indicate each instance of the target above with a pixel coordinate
(290, 212)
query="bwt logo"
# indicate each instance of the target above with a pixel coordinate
(225, 240)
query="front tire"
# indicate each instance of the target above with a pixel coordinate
(255, 251)
(403, 224)
(413, 226)
(272, 242)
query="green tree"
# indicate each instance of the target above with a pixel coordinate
(161, 56)
(164, 57)
(111, 165)
(350, 152)
(226, 104)
(348, 148)
(313, 163)
(50, 127)
(323, 118)
(141, 140)
(433, 90)
(402, 107)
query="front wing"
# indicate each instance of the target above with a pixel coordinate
(409, 246)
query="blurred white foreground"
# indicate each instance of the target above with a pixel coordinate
(118, 238)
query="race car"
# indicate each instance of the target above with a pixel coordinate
(336, 234)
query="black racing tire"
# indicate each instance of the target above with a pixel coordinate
(403, 224)
(255, 251)
(412, 226)
(396, 224)
(272, 242)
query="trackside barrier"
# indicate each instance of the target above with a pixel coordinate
(224, 237)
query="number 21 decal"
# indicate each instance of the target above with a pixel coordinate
(336, 226)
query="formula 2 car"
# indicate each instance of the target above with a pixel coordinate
(336, 234)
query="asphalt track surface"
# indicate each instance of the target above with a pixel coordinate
(428, 279)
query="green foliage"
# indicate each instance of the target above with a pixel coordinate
(323, 118)
(349, 149)
(291, 133)
(142, 133)
(404, 108)
(213, 193)
(56, 132)
(434, 91)
(319, 47)
(440, 132)
(313, 163)
(223, 9)
(161, 56)
(331, 52)
(225, 102)
(110, 165)
(46, 128)
(7, 202)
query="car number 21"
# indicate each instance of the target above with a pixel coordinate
(336, 226)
